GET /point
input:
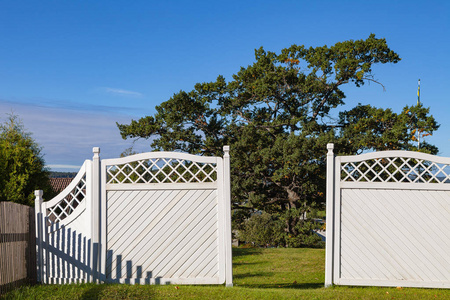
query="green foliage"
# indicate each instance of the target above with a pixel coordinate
(304, 235)
(260, 231)
(22, 168)
(368, 128)
(287, 229)
(277, 116)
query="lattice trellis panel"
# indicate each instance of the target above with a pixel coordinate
(395, 169)
(67, 205)
(162, 170)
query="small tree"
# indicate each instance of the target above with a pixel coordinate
(22, 167)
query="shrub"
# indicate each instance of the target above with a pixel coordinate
(22, 167)
(265, 230)
(259, 230)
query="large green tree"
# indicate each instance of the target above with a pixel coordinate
(278, 114)
(22, 169)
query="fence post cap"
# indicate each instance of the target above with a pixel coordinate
(38, 193)
(96, 151)
(330, 147)
(226, 148)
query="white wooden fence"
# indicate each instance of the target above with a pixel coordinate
(388, 219)
(155, 218)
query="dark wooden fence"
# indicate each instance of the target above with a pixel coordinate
(17, 246)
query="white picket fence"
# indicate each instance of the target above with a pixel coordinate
(151, 218)
(388, 219)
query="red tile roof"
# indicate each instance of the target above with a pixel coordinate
(59, 184)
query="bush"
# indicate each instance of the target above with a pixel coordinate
(22, 167)
(265, 230)
(259, 230)
(305, 237)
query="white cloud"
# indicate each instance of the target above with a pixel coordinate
(121, 92)
(68, 135)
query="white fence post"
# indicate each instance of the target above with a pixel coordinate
(227, 196)
(329, 217)
(39, 233)
(96, 215)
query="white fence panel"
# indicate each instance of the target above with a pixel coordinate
(388, 220)
(165, 219)
(155, 218)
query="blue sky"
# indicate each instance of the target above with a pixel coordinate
(71, 69)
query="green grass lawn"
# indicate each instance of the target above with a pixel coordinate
(258, 274)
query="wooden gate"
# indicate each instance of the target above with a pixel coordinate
(154, 218)
(388, 219)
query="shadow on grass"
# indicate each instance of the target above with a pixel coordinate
(237, 252)
(93, 292)
(305, 286)
(244, 263)
(249, 275)
(119, 291)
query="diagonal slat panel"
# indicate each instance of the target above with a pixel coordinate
(174, 235)
(366, 267)
(136, 201)
(207, 237)
(150, 259)
(179, 265)
(132, 223)
(152, 234)
(356, 226)
(132, 227)
(421, 236)
(380, 247)
(435, 206)
(193, 255)
(394, 229)
(154, 261)
(164, 233)
(128, 242)
(423, 232)
(401, 246)
(177, 239)
(380, 226)
(209, 261)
